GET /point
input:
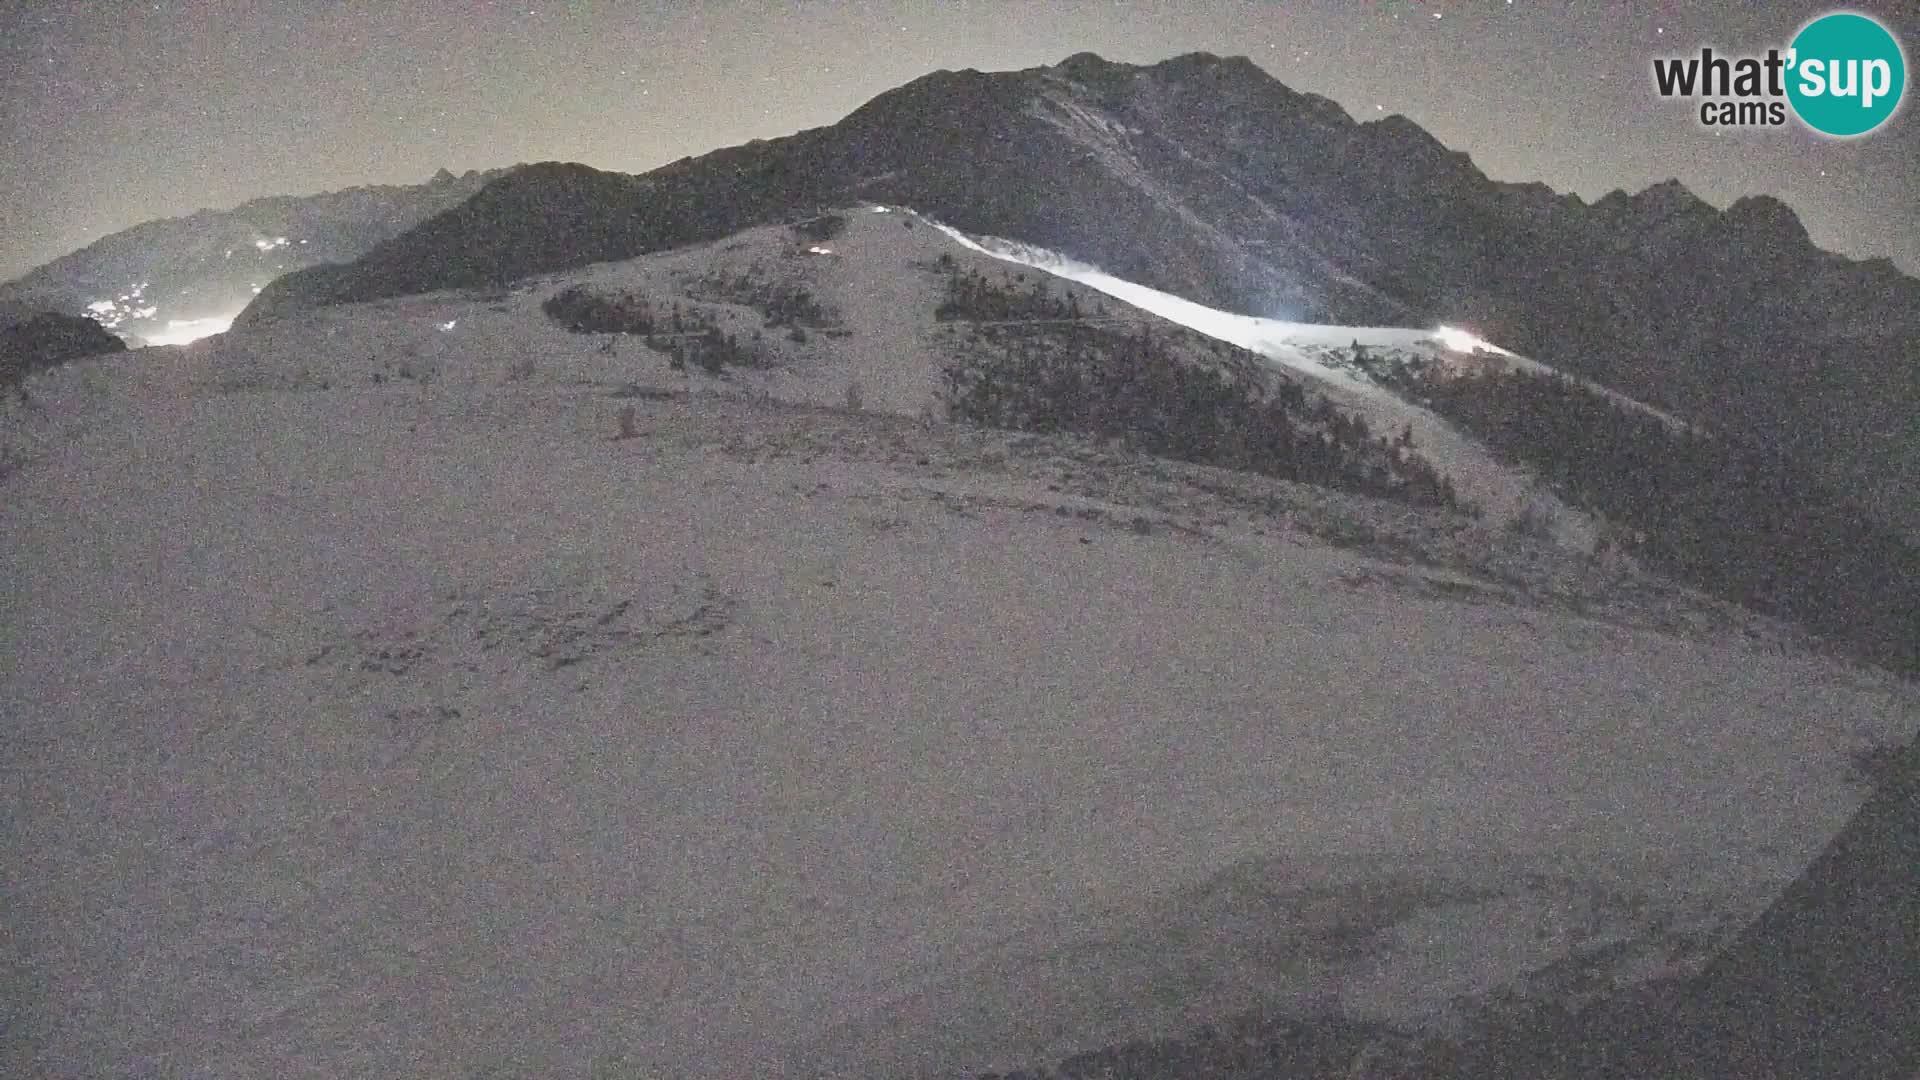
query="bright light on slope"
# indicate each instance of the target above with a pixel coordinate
(182, 331)
(1242, 330)
(1283, 342)
(1461, 341)
(1299, 346)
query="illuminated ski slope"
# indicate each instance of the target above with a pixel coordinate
(1296, 345)
(1314, 351)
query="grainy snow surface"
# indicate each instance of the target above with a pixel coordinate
(424, 728)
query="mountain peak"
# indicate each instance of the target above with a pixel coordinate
(1086, 61)
(1094, 69)
(1090, 69)
(1767, 215)
(1402, 127)
(1667, 201)
(1201, 62)
(1672, 196)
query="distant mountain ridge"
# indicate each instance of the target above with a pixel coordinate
(208, 265)
(1209, 178)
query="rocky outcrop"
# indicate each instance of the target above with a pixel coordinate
(46, 340)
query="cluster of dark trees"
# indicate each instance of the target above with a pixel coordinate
(1131, 386)
(710, 350)
(686, 336)
(975, 297)
(1738, 521)
(584, 311)
(795, 307)
(780, 303)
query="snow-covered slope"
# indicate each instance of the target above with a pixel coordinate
(1323, 354)
(873, 281)
(425, 725)
(876, 282)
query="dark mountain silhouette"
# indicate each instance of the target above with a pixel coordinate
(47, 339)
(1207, 177)
(208, 264)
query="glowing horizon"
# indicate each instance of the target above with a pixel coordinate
(184, 331)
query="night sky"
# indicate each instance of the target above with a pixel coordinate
(115, 113)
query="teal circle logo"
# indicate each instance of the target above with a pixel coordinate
(1846, 74)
